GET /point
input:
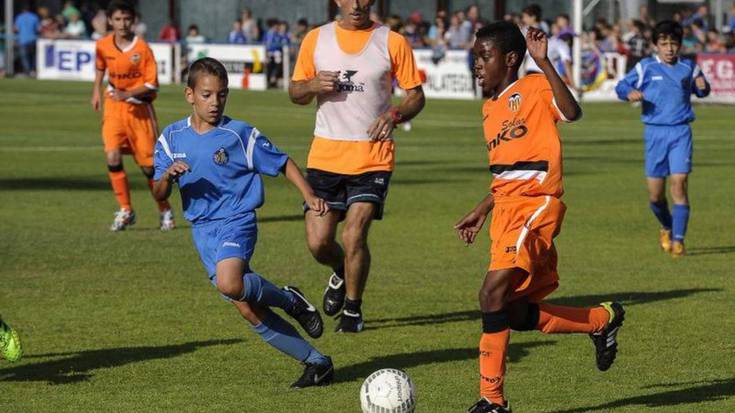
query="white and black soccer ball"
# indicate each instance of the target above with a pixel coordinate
(388, 391)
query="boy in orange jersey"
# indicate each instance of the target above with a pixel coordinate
(524, 150)
(128, 123)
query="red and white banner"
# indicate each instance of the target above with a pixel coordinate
(719, 69)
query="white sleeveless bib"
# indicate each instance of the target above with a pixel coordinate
(364, 89)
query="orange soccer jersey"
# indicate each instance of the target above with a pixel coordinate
(524, 152)
(356, 157)
(129, 125)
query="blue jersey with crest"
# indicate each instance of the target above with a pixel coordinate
(666, 88)
(225, 166)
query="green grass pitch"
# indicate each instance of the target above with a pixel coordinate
(128, 321)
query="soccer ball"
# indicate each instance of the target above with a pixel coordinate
(388, 391)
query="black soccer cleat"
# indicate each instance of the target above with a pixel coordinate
(349, 322)
(305, 313)
(485, 406)
(606, 343)
(334, 295)
(315, 375)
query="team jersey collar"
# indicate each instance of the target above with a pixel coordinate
(129, 47)
(219, 125)
(506, 89)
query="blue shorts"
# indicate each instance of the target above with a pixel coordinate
(232, 237)
(668, 150)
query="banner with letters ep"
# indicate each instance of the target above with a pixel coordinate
(74, 60)
(719, 69)
(245, 63)
(445, 75)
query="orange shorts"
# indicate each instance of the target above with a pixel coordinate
(522, 231)
(132, 129)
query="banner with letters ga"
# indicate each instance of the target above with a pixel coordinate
(447, 75)
(74, 60)
(719, 69)
(245, 63)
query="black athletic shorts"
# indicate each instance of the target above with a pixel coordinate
(340, 191)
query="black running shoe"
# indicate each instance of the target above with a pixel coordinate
(484, 406)
(305, 313)
(349, 322)
(606, 343)
(315, 375)
(334, 295)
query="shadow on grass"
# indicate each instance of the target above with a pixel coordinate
(626, 298)
(281, 218)
(702, 391)
(79, 366)
(64, 184)
(711, 250)
(402, 361)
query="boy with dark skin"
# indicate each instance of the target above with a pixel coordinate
(524, 151)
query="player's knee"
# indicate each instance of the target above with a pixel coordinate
(114, 158)
(354, 238)
(230, 288)
(525, 320)
(491, 297)
(319, 246)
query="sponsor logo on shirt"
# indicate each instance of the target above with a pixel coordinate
(514, 102)
(221, 157)
(657, 78)
(230, 244)
(511, 129)
(346, 84)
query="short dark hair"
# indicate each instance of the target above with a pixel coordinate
(206, 65)
(533, 10)
(506, 36)
(668, 28)
(120, 5)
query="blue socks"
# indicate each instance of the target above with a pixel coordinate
(277, 332)
(681, 219)
(661, 210)
(259, 291)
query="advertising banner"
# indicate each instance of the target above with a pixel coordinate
(719, 69)
(245, 63)
(447, 75)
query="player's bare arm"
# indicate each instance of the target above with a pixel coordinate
(99, 77)
(537, 44)
(140, 92)
(293, 174)
(302, 92)
(409, 107)
(471, 224)
(162, 187)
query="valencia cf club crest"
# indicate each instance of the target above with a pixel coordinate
(135, 58)
(221, 157)
(514, 102)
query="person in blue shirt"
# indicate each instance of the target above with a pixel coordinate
(27, 25)
(217, 163)
(664, 84)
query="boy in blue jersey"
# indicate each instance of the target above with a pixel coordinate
(217, 163)
(664, 84)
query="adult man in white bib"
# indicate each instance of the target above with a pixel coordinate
(349, 66)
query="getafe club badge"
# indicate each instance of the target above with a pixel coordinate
(514, 102)
(135, 58)
(221, 157)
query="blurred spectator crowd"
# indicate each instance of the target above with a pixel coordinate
(441, 32)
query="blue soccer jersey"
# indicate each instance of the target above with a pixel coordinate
(225, 166)
(666, 90)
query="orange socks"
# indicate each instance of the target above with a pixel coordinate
(121, 189)
(493, 347)
(162, 205)
(560, 319)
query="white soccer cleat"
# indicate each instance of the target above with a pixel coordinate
(167, 220)
(123, 219)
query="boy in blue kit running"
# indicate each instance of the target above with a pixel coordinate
(217, 163)
(664, 84)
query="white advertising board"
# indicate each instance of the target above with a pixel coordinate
(245, 63)
(74, 60)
